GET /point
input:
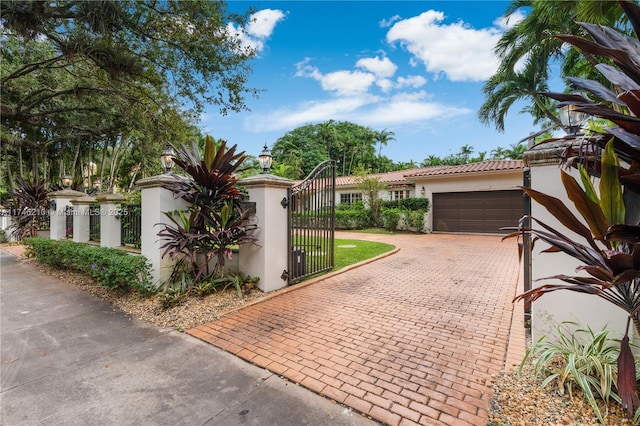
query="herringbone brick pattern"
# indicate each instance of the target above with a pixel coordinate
(413, 338)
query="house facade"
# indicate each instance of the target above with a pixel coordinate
(471, 198)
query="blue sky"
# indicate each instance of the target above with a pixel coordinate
(415, 68)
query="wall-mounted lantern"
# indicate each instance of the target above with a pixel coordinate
(423, 191)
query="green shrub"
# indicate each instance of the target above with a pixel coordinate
(415, 219)
(408, 204)
(391, 218)
(359, 218)
(3, 236)
(112, 268)
(579, 358)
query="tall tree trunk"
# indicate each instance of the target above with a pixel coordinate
(21, 169)
(75, 160)
(9, 173)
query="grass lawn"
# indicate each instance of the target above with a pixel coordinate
(348, 252)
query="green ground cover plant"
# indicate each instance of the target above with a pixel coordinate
(346, 255)
(112, 268)
(576, 357)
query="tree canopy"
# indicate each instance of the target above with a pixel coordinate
(106, 76)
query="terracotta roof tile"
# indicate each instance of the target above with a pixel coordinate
(400, 176)
(483, 166)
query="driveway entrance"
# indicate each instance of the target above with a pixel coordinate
(413, 338)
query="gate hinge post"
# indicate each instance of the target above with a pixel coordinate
(285, 275)
(284, 203)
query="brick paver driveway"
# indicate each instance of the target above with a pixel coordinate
(409, 339)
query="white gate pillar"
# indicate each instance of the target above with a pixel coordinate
(110, 228)
(57, 215)
(155, 201)
(81, 218)
(560, 306)
(268, 258)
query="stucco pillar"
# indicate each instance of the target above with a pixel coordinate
(155, 201)
(57, 214)
(81, 218)
(269, 257)
(563, 305)
(110, 228)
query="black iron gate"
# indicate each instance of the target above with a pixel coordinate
(311, 208)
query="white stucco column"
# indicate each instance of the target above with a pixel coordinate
(110, 228)
(563, 305)
(81, 218)
(269, 257)
(155, 201)
(57, 215)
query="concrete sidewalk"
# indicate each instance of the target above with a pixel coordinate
(68, 358)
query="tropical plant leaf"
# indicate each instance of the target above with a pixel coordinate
(632, 99)
(534, 294)
(587, 184)
(623, 233)
(627, 378)
(558, 210)
(594, 87)
(632, 11)
(588, 209)
(610, 188)
(617, 77)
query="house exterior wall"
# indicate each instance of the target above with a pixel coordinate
(559, 306)
(484, 181)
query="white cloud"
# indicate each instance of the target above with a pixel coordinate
(408, 111)
(260, 27)
(455, 50)
(287, 118)
(382, 68)
(414, 81)
(262, 23)
(386, 23)
(385, 84)
(366, 110)
(504, 23)
(342, 83)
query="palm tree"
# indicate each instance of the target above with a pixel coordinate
(327, 133)
(383, 137)
(532, 42)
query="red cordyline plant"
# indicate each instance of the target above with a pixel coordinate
(214, 222)
(609, 236)
(29, 207)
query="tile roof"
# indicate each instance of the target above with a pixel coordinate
(400, 176)
(483, 166)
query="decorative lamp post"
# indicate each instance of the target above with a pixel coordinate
(167, 157)
(67, 180)
(265, 160)
(97, 185)
(572, 119)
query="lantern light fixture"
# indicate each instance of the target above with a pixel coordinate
(265, 160)
(572, 119)
(166, 158)
(67, 180)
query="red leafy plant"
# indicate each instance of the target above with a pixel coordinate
(214, 223)
(608, 246)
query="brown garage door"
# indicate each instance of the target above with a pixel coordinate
(484, 211)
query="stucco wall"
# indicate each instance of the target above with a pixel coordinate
(559, 306)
